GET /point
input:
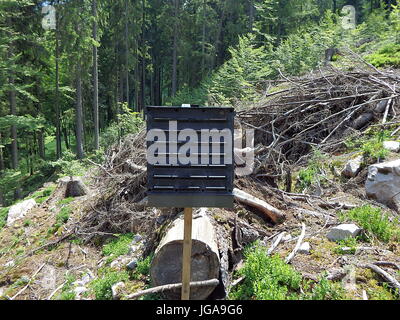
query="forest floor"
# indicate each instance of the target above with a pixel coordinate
(77, 248)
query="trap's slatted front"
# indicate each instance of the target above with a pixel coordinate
(206, 180)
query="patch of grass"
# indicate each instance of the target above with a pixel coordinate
(389, 55)
(373, 221)
(118, 247)
(312, 174)
(101, 286)
(143, 267)
(325, 290)
(376, 290)
(371, 145)
(3, 216)
(65, 201)
(43, 195)
(270, 278)
(67, 291)
(63, 215)
(349, 243)
(27, 223)
(266, 278)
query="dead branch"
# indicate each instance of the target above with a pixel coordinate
(159, 289)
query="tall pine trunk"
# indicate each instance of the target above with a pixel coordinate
(57, 104)
(175, 50)
(79, 114)
(95, 80)
(13, 111)
(127, 52)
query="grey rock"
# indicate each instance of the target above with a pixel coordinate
(352, 167)
(78, 291)
(304, 248)
(383, 183)
(132, 264)
(117, 290)
(10, 264)
(343, 231)
(19, 210)
(393, 146)
(287, 237)
(137, 238)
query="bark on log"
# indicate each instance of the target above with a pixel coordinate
(166, 267)
(274, 214)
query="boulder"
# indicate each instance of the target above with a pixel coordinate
(352, 167)
(117, 289)
(383, 183)
(393, 146)
(19, 210)
(132, 264)
(304, 248)
(343, 231)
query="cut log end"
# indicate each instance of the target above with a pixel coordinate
(166, 267)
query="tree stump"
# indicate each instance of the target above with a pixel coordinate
(166, 266)
(74, 186)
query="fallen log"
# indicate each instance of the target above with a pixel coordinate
(161, 289)
(271, 212)
(386, 276)
(166, 267)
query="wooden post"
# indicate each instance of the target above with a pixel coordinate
(187, 253)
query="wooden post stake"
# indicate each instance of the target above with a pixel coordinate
(187, 253)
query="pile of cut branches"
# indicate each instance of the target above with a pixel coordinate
(319, 111)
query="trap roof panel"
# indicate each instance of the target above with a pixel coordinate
(190, 168)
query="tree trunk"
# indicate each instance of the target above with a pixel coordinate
(218, 36)
(95, 80)
(57, 104)
(203, 39)
(166, 267)
(126, 52)
(79, 115)
(2, 166)
(175, 50)
(41, 146)
(13, 111)
(251, 15)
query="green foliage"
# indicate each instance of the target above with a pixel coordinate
(371, 145)
(67, 291)
(127, 122)
(326, 290)
(266, 278)
(270, 278)
(3, 216)
(42, 196)
(389, 55)
(119, 246)
(350, 243)
(102, 286)
(68, 165)
(236, 79)
(374, 222)
(312, 173)
(143, 267)
(65, 201)
(63, 215)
